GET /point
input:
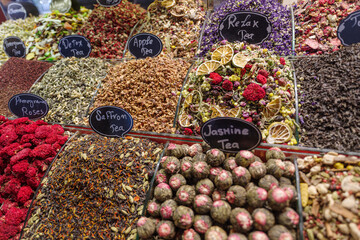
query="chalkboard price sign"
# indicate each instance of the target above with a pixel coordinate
(14, 47)
(349, 29)
(28, 105)
(74, 46)
(108, 3)
(145, 45)
(16, 11)
(250, 27)
(111, 121)
(231, 134)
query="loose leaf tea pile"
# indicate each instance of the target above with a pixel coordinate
(68, 88)
(95, 189)
(17, 75)
(147, 89)
(329, 99)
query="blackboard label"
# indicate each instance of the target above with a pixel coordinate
(250, 27)
(111, 121)
(14, 47)
(74, 46)
(231, 134)
(349, 29)
(108, 3)
(28, 105)
(16, 11)
(145, 45)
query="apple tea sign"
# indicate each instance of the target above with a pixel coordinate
(145, 45)
(245, 26)
(14, 47)
(111, 121)
(108, 3)
(230, 134)
(349, 29)
(74, 46)
(28, 105)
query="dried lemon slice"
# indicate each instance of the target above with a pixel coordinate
(272, 108)
(185, 119)
(279, 132)
(233, 112)
(168, 3)
(207, 67)
(240, 60)
(223, 54)
(216, 112)
(193, 100)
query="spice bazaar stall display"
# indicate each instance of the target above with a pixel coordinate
(330, 195)
(95, 189)
(242, 81)
(201, 192)
(329, 100)
(317, 23)
(27, 148)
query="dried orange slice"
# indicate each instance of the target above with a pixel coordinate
(272, 108)
(223, 54)
(185, 119)
(279, 132)
(207, 67)
(216, 112)
(168, 3)
(193, 100)
(240, 60)
(233, 112)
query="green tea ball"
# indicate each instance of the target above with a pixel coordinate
(268, 181)
(202, 223)
(215, 157)
(166, 229)
(241, 176)
(244, 158)
(183, 217)
(185, 195)
(257, 170)
(256, 197)
(205, 186)
(145, 227)
(279, 232)
(241, 220)
(167, 209)
(274, 153)
(215, 232)
(236, 196)
(220, 211)
(200, 170)
(224, 180)
(263, 219)
(202, 204)
(162, 192)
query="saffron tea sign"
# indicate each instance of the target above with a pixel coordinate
(230, 134)
(74, 46)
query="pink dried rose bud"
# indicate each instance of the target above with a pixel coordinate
(241, 220)
(204, 186)
(202, 204)
(220, 211)
(183, 217)
(223, 180)
(241, 176)
(215, 157)
(236, 196)
(263, 219)
(166, 229)
(244, 158)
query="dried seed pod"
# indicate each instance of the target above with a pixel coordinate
(289, 170)
(175, 150)
(241, 220)
(153, 208)
(162, 192)
(220, 211)
(183, 217)
(215, 157)
(230, 164)
(275, 167)
(237, 236)
(214, 171)
(268, 181)
(241, 176)
(185, 195)
(167, 209)
(205, 186)
(279, 232)
(278, 199)
(200, 170)
(172, 165)
(218, 195)
(274, 153)
(263, 219)
(186, 168)
(190, 234)
(166, 229)
(195, 149)
(176, 181)
(215, 232)
(256, 197)
(257, 170)
(223, 180)
(258, 235)
(291, 192)
(244, 158)
(145, 227)
(199, 157)
(289, 218)
(202, 204)
(161, 177)
(236, 196)
(202, 223)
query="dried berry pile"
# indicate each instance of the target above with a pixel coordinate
(330, 195)
(244, 81)
(147, 89)
(17, 75)
(108, 28)
(318, 21)
(329, 99)
(95, 189)
(26, 150)
(279, 40)
(199, 192)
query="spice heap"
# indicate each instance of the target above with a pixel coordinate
(243, 81)
(96, 189)
(19, 28)
(177, 23)
(330, 195)
(201, 192)
(68, 88)
(329, 99)
(17, 75)
(26, 150)
(50, 28)
(318, 23)
(147, 89)
(279, 40)
(108, 28)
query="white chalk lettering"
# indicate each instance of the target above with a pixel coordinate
(143, 43)
(31, 103)
(109, 115)
(115, 128)
(356, 20)
(225, 131)
(146, 51)
(71, 44)
(244, 35)
(225, 144)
